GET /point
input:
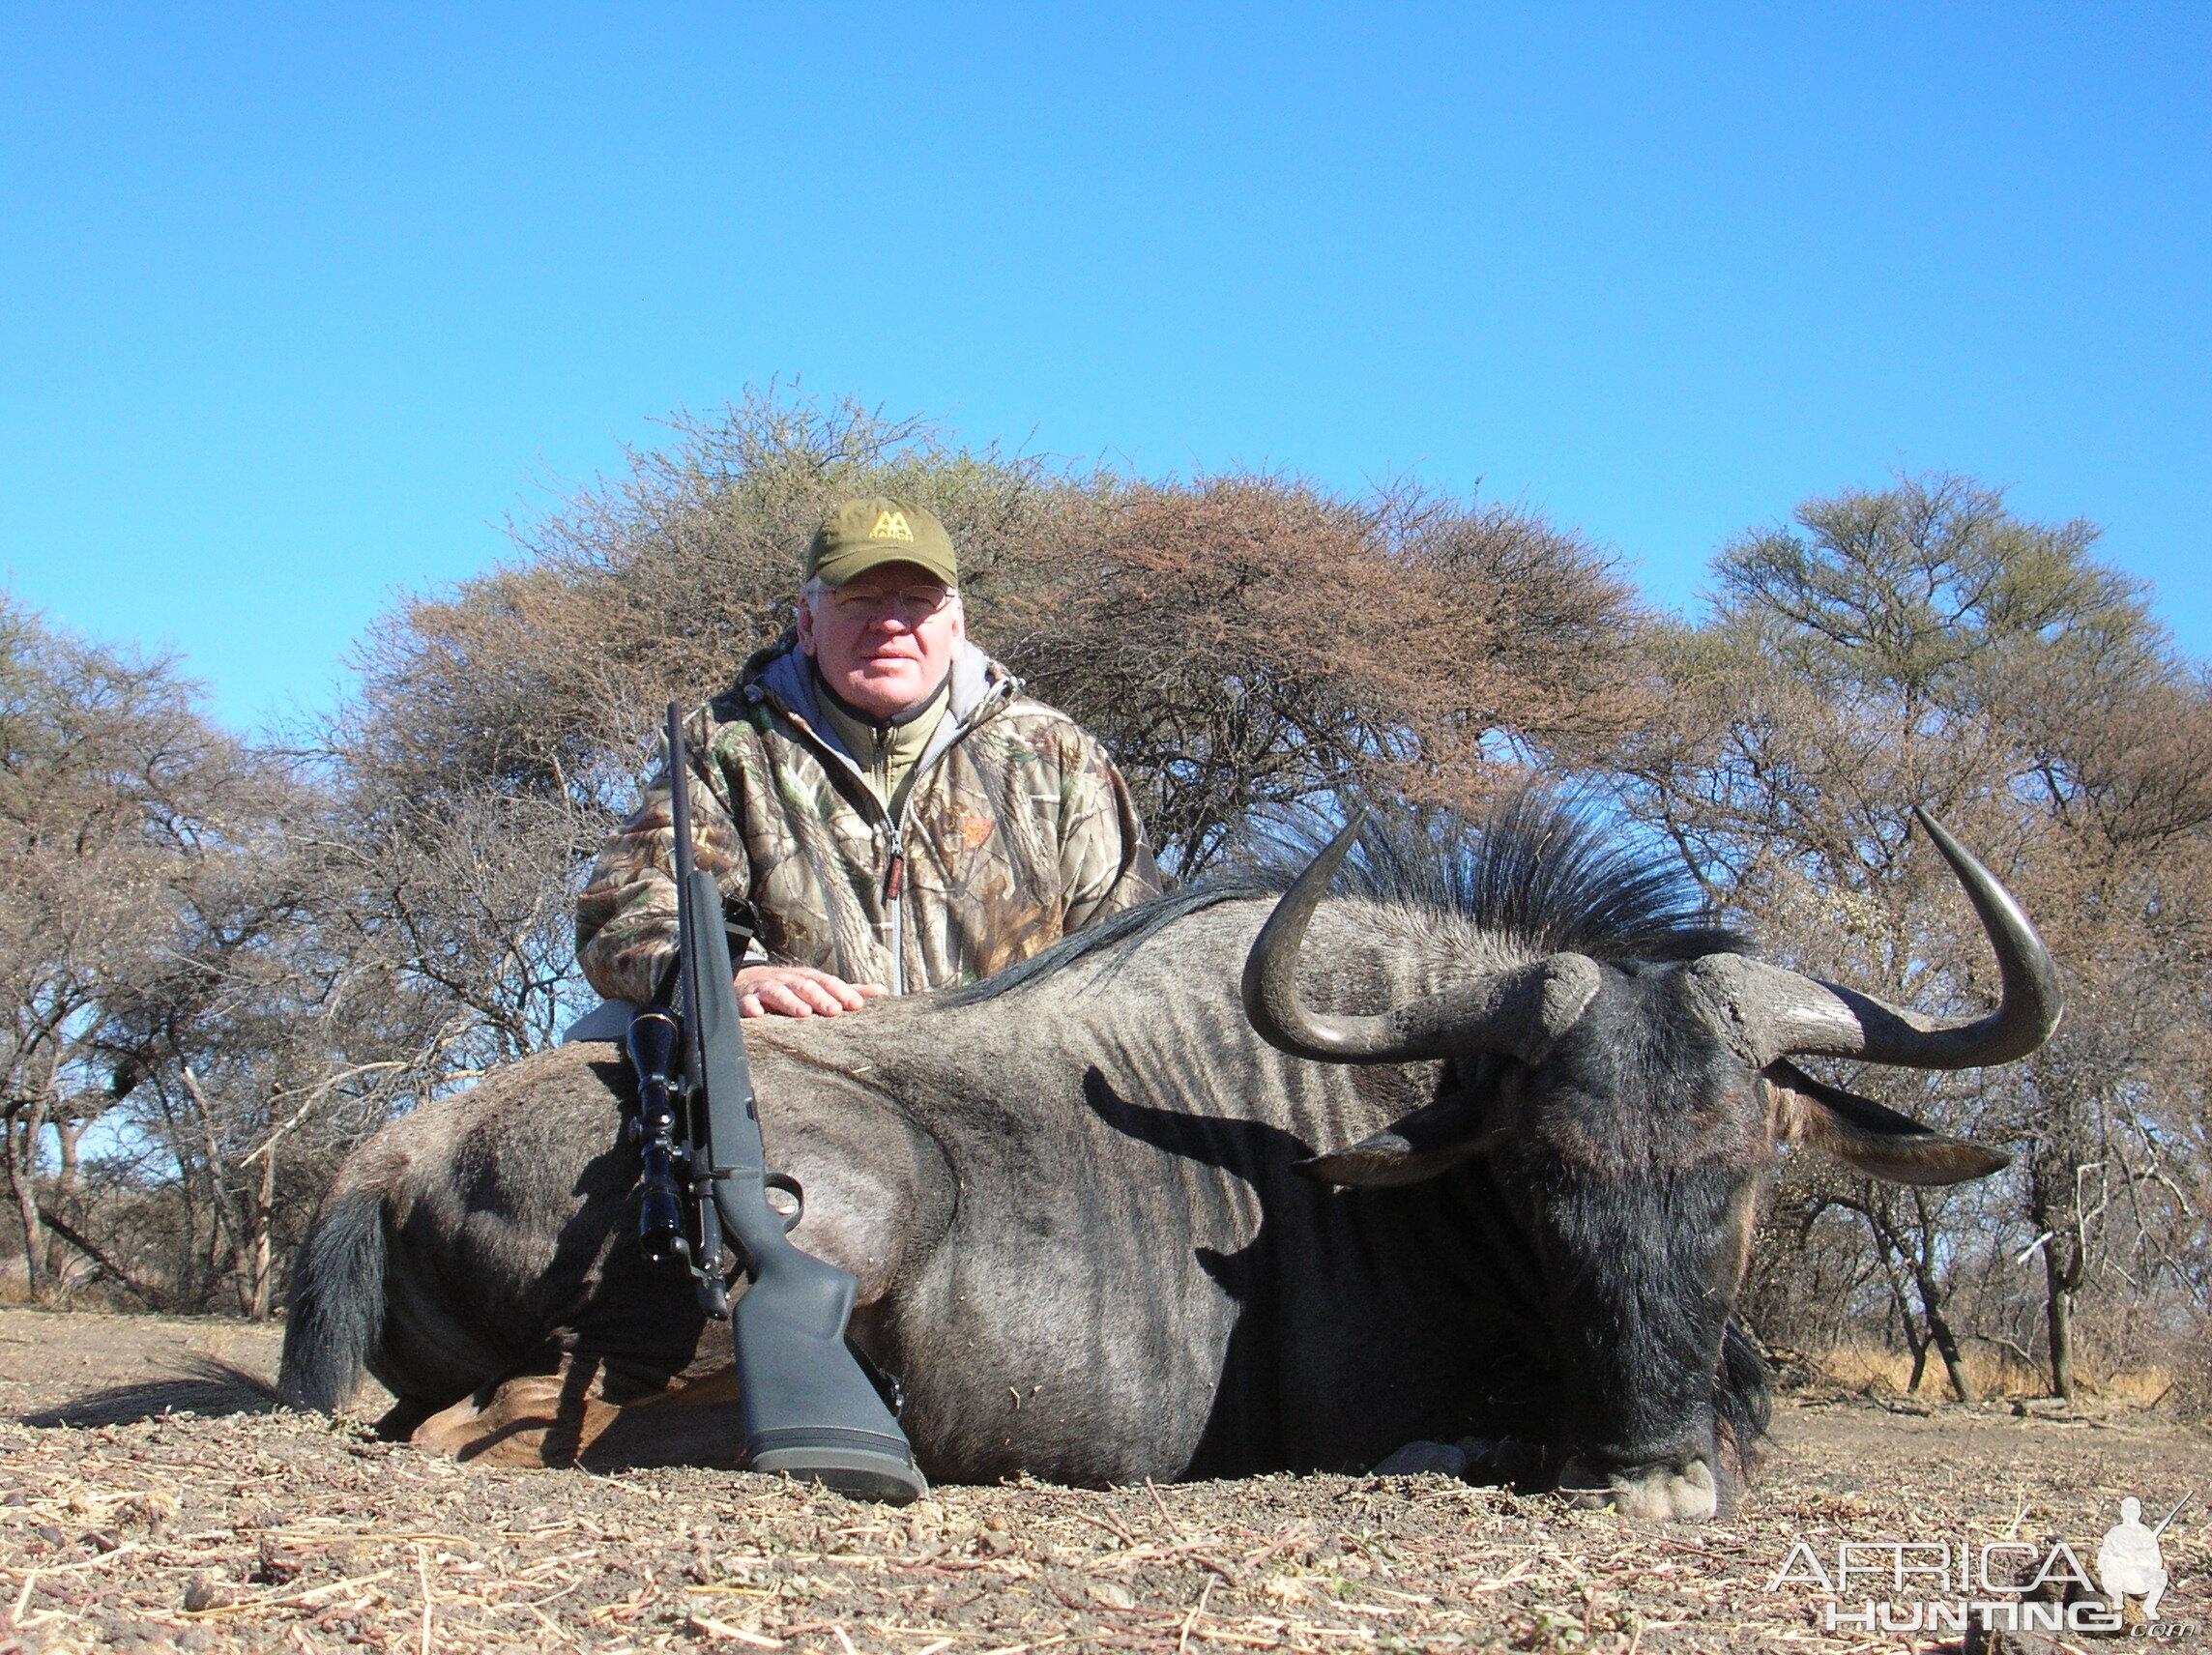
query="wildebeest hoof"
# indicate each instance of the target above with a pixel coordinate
(1416, 1458)
(1685, 1494)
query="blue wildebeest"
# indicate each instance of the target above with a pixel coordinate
(1134, 1208)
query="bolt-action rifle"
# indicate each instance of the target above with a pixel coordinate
(810, 1409)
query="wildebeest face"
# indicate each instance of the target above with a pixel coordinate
(1629, 1114)
(1632, 1157)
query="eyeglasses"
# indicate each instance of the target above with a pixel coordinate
(913, 605)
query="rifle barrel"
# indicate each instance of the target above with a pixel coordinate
(2175, 1512)
(809, 1409)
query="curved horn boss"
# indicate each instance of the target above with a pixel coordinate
(1518, 1013)
(1783, 1014)
(1775, 1013)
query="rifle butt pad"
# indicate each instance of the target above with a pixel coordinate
(810, 1411)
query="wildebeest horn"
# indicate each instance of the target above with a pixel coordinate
(1518, 1012)
(1782, 1014)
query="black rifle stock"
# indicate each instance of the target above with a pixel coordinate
(810, 1410)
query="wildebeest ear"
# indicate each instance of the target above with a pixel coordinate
(1434, 1139)
(1878, 1142)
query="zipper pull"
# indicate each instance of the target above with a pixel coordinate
(894, 877)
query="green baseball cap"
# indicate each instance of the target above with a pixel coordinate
(863, 534)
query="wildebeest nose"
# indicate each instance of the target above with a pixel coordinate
(1683, 1491)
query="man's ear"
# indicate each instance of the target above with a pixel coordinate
(1870, 1138)
(806, 623)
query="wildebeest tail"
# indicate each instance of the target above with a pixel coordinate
(337, 1303)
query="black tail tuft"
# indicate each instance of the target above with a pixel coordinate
(338, 1304)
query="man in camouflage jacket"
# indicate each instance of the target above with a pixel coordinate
(899, 814)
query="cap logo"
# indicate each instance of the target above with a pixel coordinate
(891, 526)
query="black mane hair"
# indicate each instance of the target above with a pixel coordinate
(1533, 866)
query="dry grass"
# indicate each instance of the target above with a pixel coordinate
(281, 1532)
(1872, 1369)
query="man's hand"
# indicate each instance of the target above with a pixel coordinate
(800, 991)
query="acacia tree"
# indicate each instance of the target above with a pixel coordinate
(113, 794)
(1247, 644)
(177, 959)
(1924, 644)
(1237, 640)
(273, 1036)
(541, 677)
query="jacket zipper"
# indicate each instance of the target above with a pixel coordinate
(894, 871)
(894, 899)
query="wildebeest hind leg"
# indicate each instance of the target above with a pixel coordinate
(585, 1411)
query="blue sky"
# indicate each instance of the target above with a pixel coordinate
(298, 304)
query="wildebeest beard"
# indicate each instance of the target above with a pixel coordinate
(1630, 1357)
(1620, 1179)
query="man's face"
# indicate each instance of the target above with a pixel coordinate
(885, 639)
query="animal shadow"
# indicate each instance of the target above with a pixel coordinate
(205, 1385)
(1244, 1429)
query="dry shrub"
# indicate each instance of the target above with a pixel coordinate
(1245, 643)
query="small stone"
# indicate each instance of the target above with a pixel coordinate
(207, 1591)
(1112, 1594)
(278, 1566)
(996, 1541)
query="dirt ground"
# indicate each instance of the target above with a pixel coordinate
(275, 1531)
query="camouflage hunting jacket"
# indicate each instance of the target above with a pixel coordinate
(1015, 830)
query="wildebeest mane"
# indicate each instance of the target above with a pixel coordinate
(1130, 925)
(1533, 866)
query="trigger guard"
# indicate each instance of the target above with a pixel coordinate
(791, 1187)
